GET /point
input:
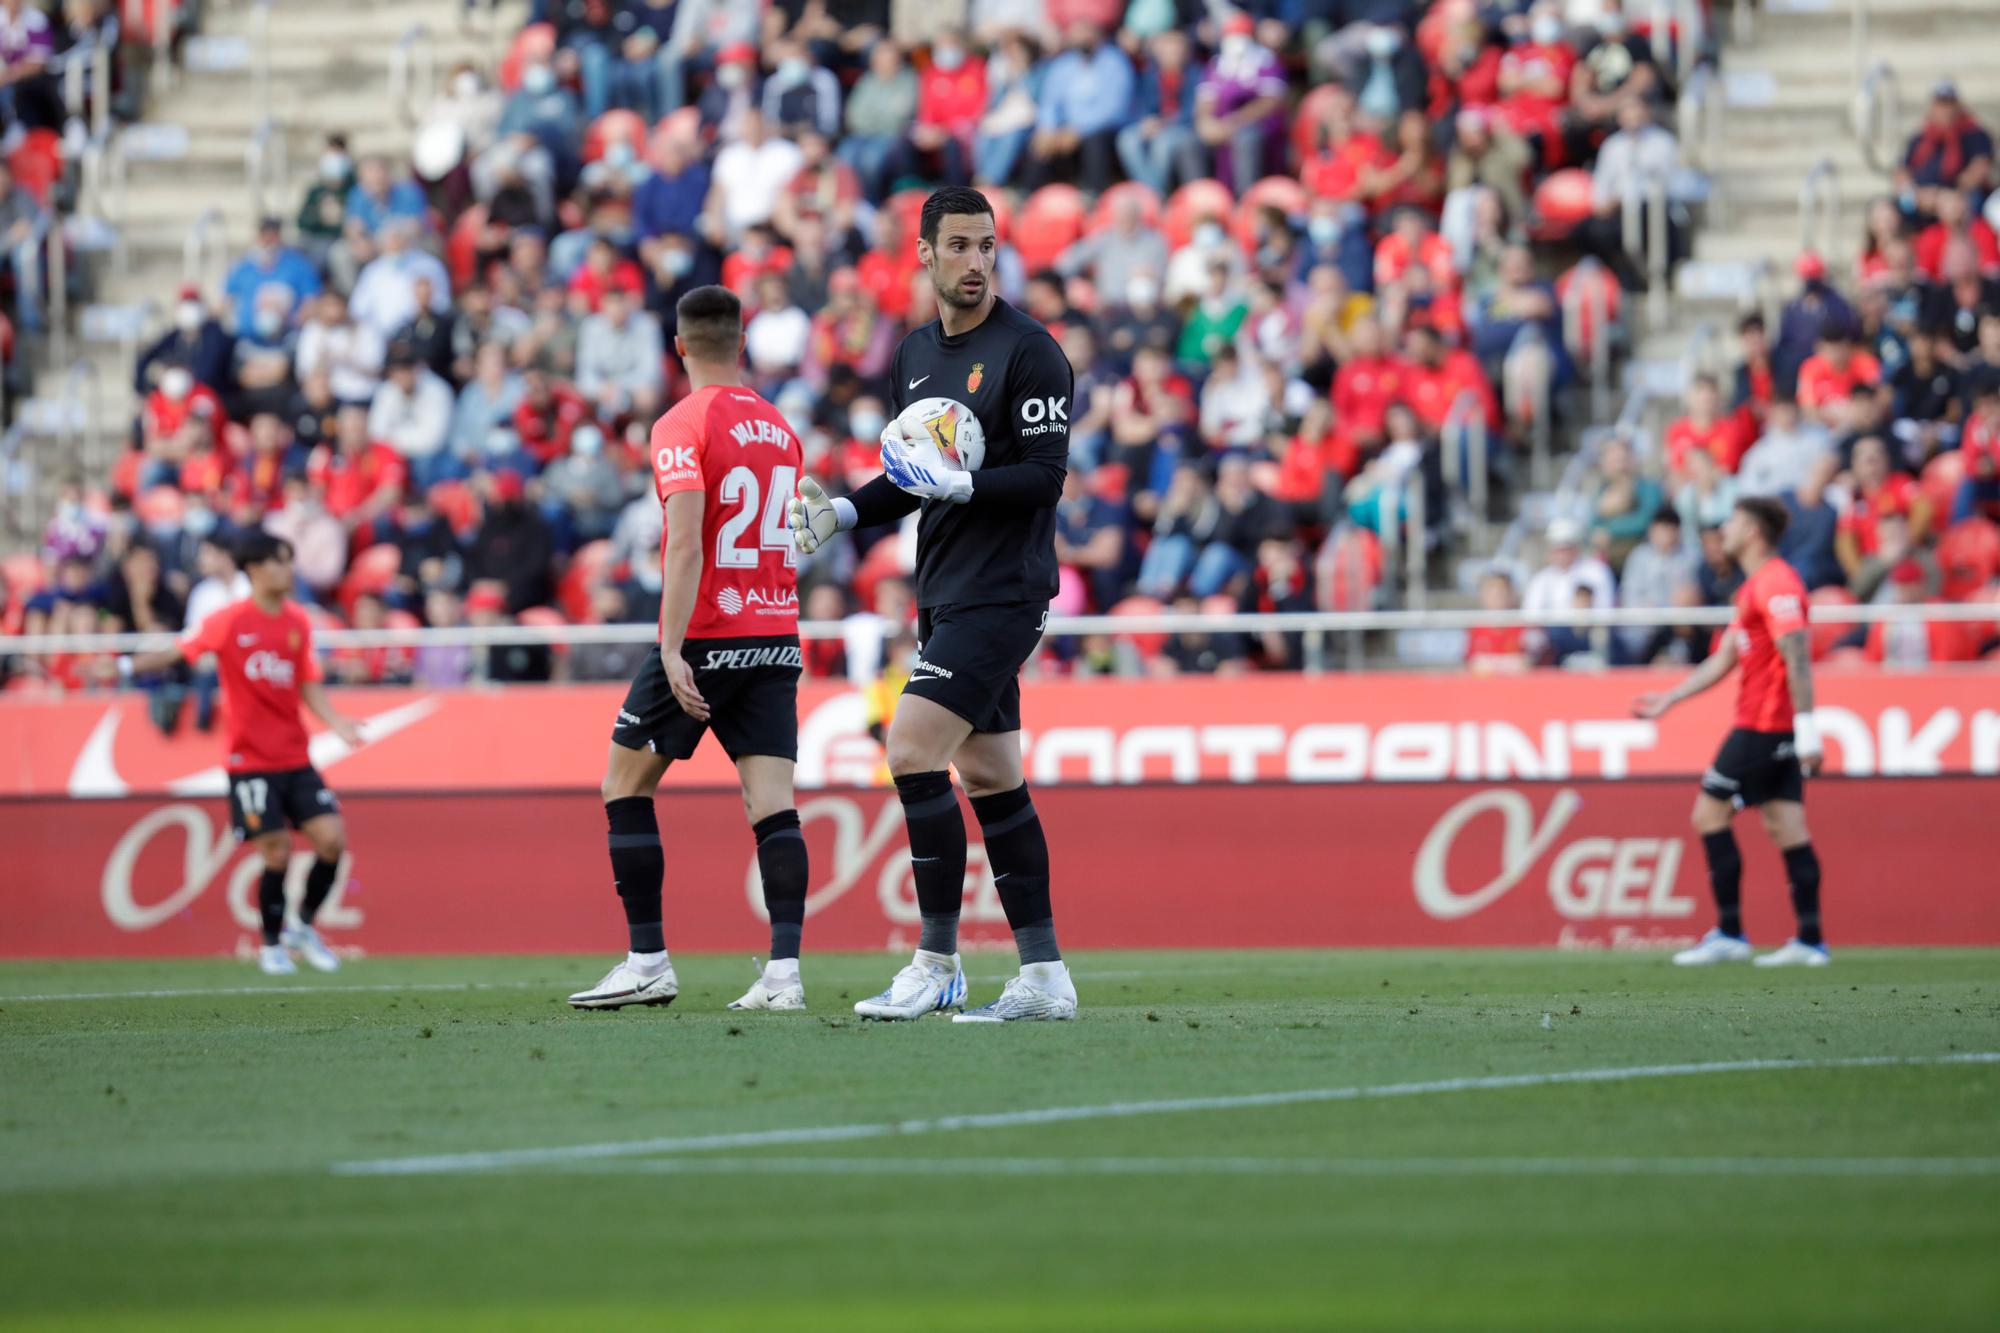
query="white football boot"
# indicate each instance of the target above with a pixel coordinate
(777, 988)
(1715, 947)
(1042, 993)
(931, 982)
(305, 941)
(273, 961)
(1795, 954)
(627, 984)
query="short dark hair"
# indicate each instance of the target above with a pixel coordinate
(952, 200)
(1666, 514)
(709, 323)
(257, 546)
(1769, 514)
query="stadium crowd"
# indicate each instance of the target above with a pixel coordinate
(1292, 250)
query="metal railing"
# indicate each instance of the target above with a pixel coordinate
(260, 59)
(267, 167)
(1465, 446)
(1643, 231)
(1294, 622)
(205, 249)
(1686, 21)
(1585, 305)
(1819, 208)
(1877, 118)
(413, 78)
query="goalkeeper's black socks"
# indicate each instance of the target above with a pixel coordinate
(1725, 877)
(937, 855)
(637, 868)
(1802, 870)
(271, 903)
(319, 884)
(1019, 855)
(781, 859)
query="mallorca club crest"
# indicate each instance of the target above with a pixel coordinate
(978, 375)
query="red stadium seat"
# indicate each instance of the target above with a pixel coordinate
(1823, 635)
(37, 164)
(1193, 201)
(1969, 555)
(1351, 571)
(883, 561)
(1049, 224)
(535, 42)
(1585, 333)
(587, 568)
(1149, 645)
(1941, 479)
(1560, 202)
(1280, 192)
(461, 246)
(611, 127)
(371, 572)
(1149, 205)
(1003, 214)
(457, 505)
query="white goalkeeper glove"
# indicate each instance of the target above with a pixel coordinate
(920, 479)
(815, 518)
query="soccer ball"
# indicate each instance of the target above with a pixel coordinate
(942, 431)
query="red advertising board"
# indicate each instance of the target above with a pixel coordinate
(1569, 864)
(1335, 728)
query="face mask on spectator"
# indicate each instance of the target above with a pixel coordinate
(731, 76)
(792, 72)
(620, 156)
(268, 322)
(1546, 30)
(1235, 46)
(538, 80)
(333, 166)
(176, 383)
(1384, 42)
(1323, 230)
(676, 263)
(465, 85)
(947, 57)
(1208, 235)
(1141, 291)
(199, 521)
(586, 442)
(866, 425)
(188, 315)
(1611, 25)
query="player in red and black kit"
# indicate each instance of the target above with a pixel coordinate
(725, 465)
(264, 656)
(1774, 745)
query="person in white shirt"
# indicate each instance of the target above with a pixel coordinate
(412, 412)
(1782, 458)
(222, 584)
(1553, 588)
(620, 357)
(748, 177)
(350, 353)
(385, 295)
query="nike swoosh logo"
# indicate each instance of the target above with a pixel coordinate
(914, 383)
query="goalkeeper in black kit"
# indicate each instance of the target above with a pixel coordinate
(986, 569)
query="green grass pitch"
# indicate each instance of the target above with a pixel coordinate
(184, 1161)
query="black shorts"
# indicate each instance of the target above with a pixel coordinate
(752, 689)
(1753, 767)
(261, 803)
(969, 660)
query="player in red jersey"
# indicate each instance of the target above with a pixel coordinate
(1772, 747)
(264, 655)
(725, 465)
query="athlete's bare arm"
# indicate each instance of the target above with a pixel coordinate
(1706, 676)
(314, 696)
(1795, 647)
(680, 585)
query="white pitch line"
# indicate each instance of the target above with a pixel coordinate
(280, 990)
(1287, 1166)
(444, 1163)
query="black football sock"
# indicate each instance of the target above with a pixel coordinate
(937, 855)
(1725, 877)
(1802, 869)
(271, 903)
(1019, 855)
(637, 868)
(781, 857)
(319, 884)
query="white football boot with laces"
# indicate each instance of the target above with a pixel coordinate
(931, 982)
(1795, 954)
(777, 988)
(1715, 947)
(1043, 992)
(273, 961)
(627, 984)
(305, 941)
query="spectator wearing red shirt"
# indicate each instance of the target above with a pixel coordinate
(1878, 492)
(1916, 643)
(603, 268)
(850, 331)
(1435, 377)
(1414, 242)
(1494, 648)
(1534, 84)
(1705, 427)
(179, 422)
(951, 97)
(1413, 176)
(359, 479)
(1368, 381)
(1837, 383)
(1955, 220)
(1979, 492)
(757, 254)
(549, 412)
(1345, 151)
(823, 184)
(258, 483)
